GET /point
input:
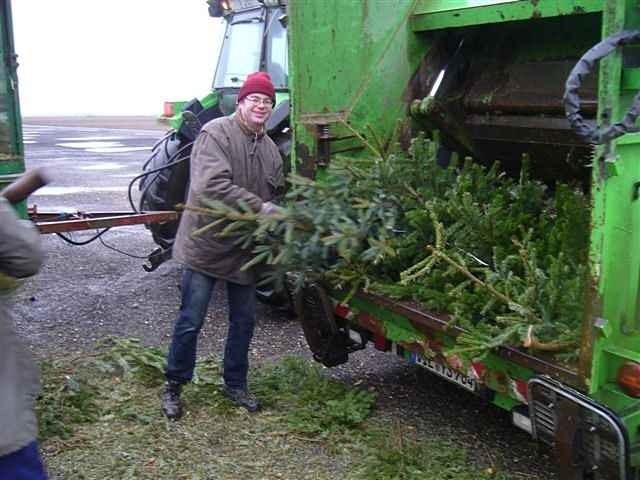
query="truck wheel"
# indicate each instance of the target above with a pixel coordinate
(329, 344)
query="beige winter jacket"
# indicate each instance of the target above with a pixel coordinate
(20, 256)
(230, 164)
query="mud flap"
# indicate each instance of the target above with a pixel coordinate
(329, 344)
(568, 442)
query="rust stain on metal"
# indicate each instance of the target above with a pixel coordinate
(306, 163)
(113, 220)
(412, 347)
(568, 420)
(324, 118)
(593, 310)
(428, 322)
(418, 85)
(371, 323)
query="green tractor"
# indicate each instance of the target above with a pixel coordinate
(255, 39)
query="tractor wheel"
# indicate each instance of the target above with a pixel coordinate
(166, 184)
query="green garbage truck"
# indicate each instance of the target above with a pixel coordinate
(492, 80)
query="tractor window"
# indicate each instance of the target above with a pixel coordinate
(277, 64)
(241, 49)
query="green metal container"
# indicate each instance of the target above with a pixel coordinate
(11, 146)
(490, 76)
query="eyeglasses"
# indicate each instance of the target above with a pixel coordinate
(267, 102)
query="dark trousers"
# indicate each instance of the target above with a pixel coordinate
(196, 295)
(24, 464)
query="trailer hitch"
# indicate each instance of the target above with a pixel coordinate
(156, 258)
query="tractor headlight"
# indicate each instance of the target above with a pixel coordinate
(219, 8)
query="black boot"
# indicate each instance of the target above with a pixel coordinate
(171, 404)
(242, 398)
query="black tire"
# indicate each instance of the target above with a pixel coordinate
(164, 189)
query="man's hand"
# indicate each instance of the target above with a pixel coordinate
(267, 208)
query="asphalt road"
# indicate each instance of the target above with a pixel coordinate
(87, 293)
(118, 122)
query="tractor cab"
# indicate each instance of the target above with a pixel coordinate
(255, 39)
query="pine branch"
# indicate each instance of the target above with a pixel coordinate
(531, 342)
(362, 139)
(366, 224)
(470, 275)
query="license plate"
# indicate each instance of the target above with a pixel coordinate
(447, 373)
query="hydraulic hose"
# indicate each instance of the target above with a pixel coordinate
(158, 170)
(593, 134)
(155, 170)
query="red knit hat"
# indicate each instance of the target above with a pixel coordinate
(257, 82)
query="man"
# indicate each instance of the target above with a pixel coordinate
(20, 256)
(232, 161)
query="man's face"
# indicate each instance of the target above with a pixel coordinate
(255, 109)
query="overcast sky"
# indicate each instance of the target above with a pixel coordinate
(112, 57)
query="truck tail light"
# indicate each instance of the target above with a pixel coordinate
(478, 370)
(519, 388)
(629, 378)
(343, 311)
(168, 110)
(381, 343)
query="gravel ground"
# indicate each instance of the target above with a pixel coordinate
(87, 293)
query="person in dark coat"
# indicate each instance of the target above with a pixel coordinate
(20, 256)
(233, 161)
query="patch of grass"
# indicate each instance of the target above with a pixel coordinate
(400, 458)
(311, 402)
(108, 424)
(127, 357)
(67, 399)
